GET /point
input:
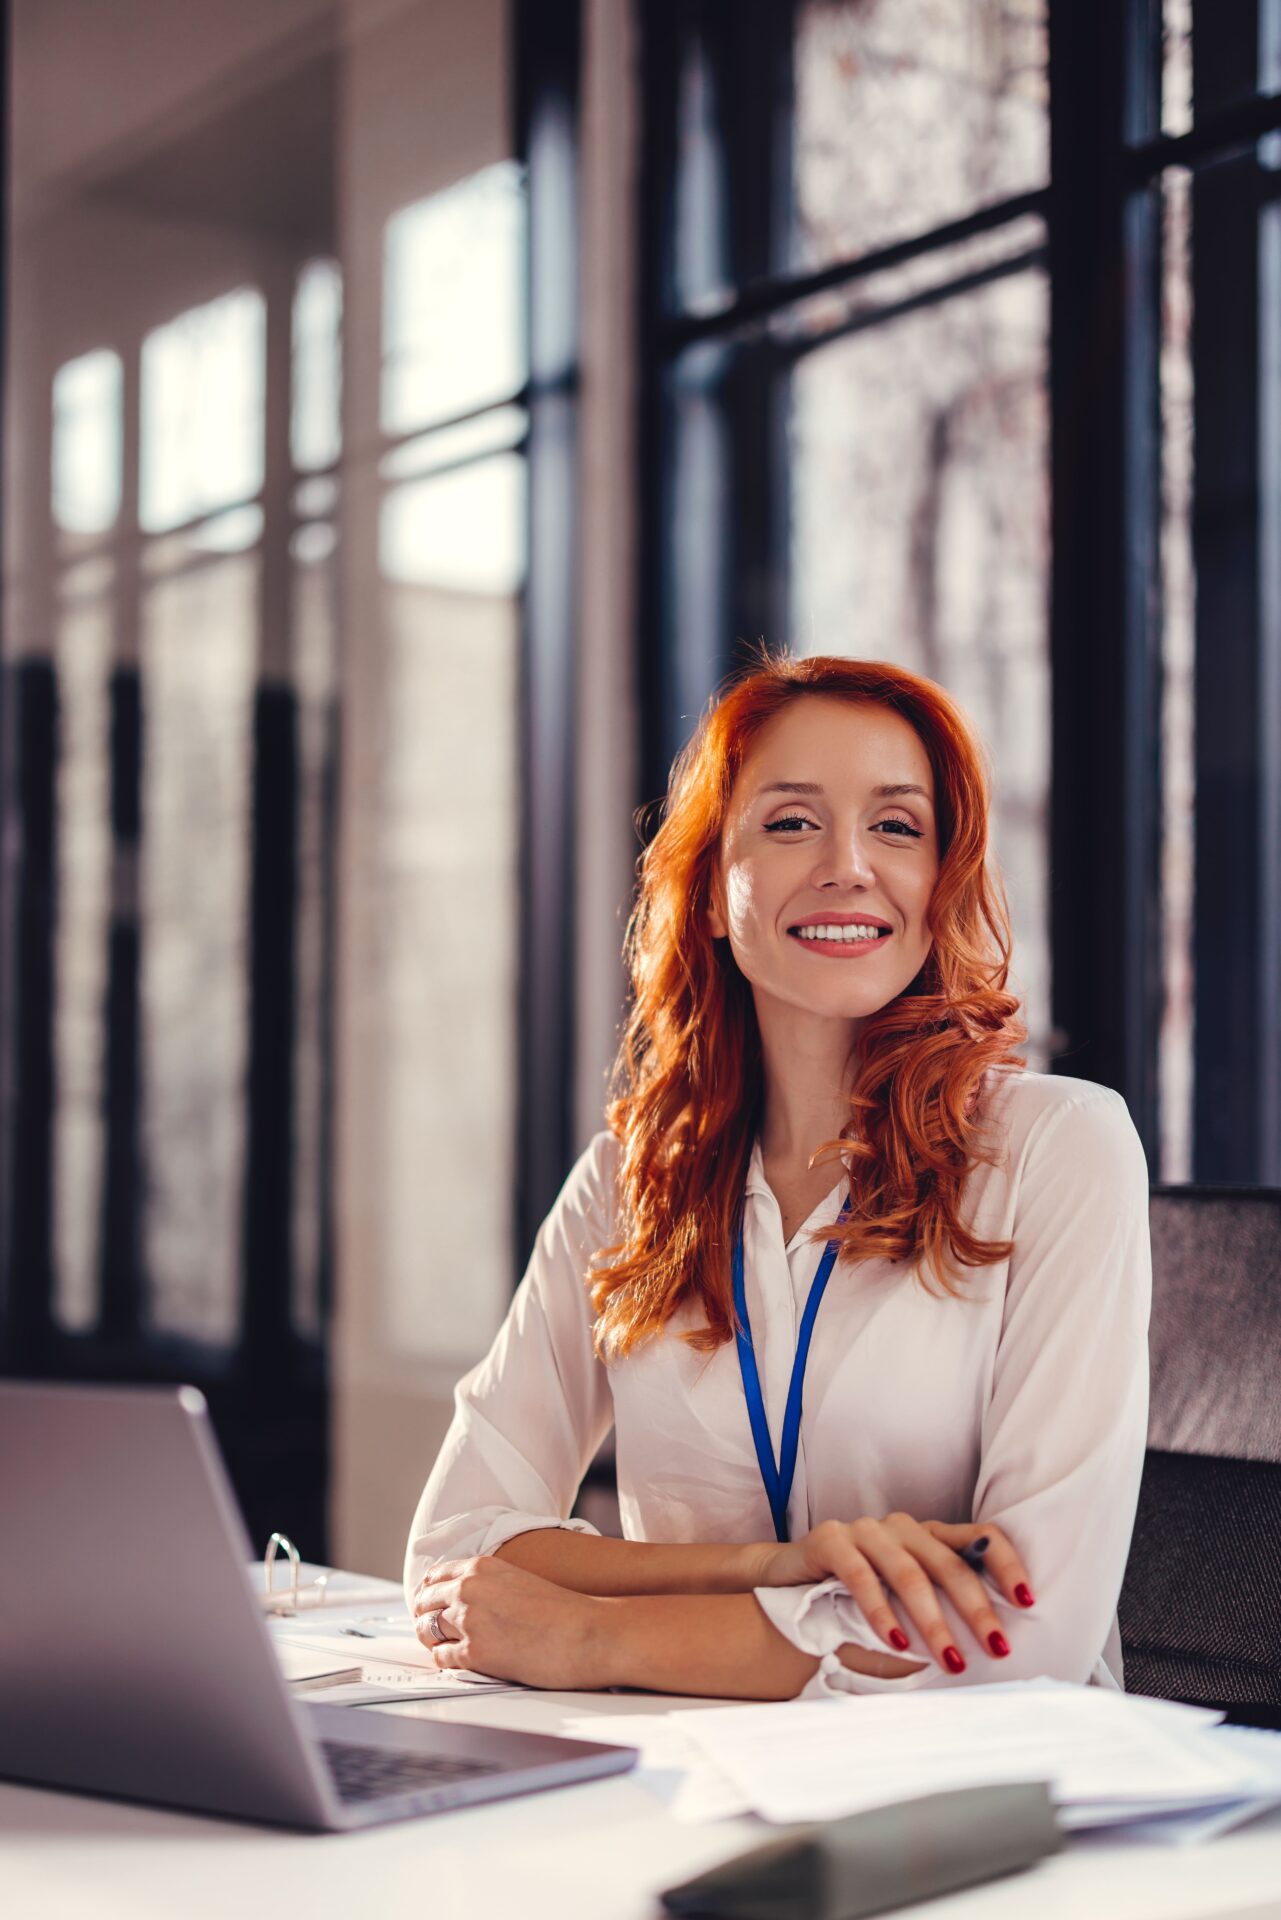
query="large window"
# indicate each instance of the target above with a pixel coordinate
(1204, 209)
(961, 352)
(851, 327)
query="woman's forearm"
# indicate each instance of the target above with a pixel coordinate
(720, 1645)
(589, 1563)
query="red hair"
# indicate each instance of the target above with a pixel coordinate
(688, 1082)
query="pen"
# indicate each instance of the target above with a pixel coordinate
(361, 1629)
(973, 1554)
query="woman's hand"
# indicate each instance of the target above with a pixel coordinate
(498, 1619)
(914, 1560)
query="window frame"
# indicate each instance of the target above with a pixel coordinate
(547, 85)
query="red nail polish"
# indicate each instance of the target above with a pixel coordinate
(1022, 1595)
(899, 1639)
(952, 1660)
(999, 1645)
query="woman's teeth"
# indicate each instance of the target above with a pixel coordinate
(838, 933)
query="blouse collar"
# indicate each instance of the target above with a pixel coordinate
(757, 1183)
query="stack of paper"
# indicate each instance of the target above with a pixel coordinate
(1166, 1771)
(303, 1667)
(386, 1658)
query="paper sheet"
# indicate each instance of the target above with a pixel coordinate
(1260, 1748)
(805, 1761)
(691, 1786)
(387, 1660)
(385, 1638)
(301, 1665)
(391, 1687)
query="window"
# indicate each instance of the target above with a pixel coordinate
(268, 380)
(1204, 194)
(939, 371)
(451, 553)
(851, 344)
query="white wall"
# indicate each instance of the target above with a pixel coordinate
(103, 82)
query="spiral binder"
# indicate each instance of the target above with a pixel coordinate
(298, 1594)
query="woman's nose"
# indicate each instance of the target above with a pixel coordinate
(844, 863)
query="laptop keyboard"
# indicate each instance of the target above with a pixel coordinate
(372, 1773)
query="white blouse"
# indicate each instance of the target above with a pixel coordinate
(1023, 1403)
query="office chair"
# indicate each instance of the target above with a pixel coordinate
(1201, 1603)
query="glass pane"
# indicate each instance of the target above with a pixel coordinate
(448, 850)
(1215, 56)
(1220, 612)
(199, 655)
(872, 122)
(912, 113)
(316, 412)
(1176, 67)
(452, 333)
(87, 443)
(919, 534)
(203, 379)
(85, 639)
(463, 531)
(316, 498)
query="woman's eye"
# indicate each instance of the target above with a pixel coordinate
(788, 823)
(895, 829)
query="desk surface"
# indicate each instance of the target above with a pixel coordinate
(595, 1852)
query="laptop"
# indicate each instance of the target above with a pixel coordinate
(135, 1661)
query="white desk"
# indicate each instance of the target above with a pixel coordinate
(595, 1852)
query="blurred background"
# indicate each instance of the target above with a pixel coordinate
(411, 410)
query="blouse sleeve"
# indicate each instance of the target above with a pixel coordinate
(1065, 1424)
(530, 1417)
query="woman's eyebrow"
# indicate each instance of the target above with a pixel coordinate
(891, 791)
(900, 787)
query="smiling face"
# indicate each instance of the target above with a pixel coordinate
(829, 856)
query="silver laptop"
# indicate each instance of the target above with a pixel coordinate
(135, 1661)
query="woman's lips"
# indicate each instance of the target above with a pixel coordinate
(840, 949)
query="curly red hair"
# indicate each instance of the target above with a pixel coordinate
(688, 1081)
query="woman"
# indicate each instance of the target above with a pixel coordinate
(820, 1059)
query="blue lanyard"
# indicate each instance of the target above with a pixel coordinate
(778, 1479)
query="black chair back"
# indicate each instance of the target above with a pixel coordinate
(1201, 1604)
